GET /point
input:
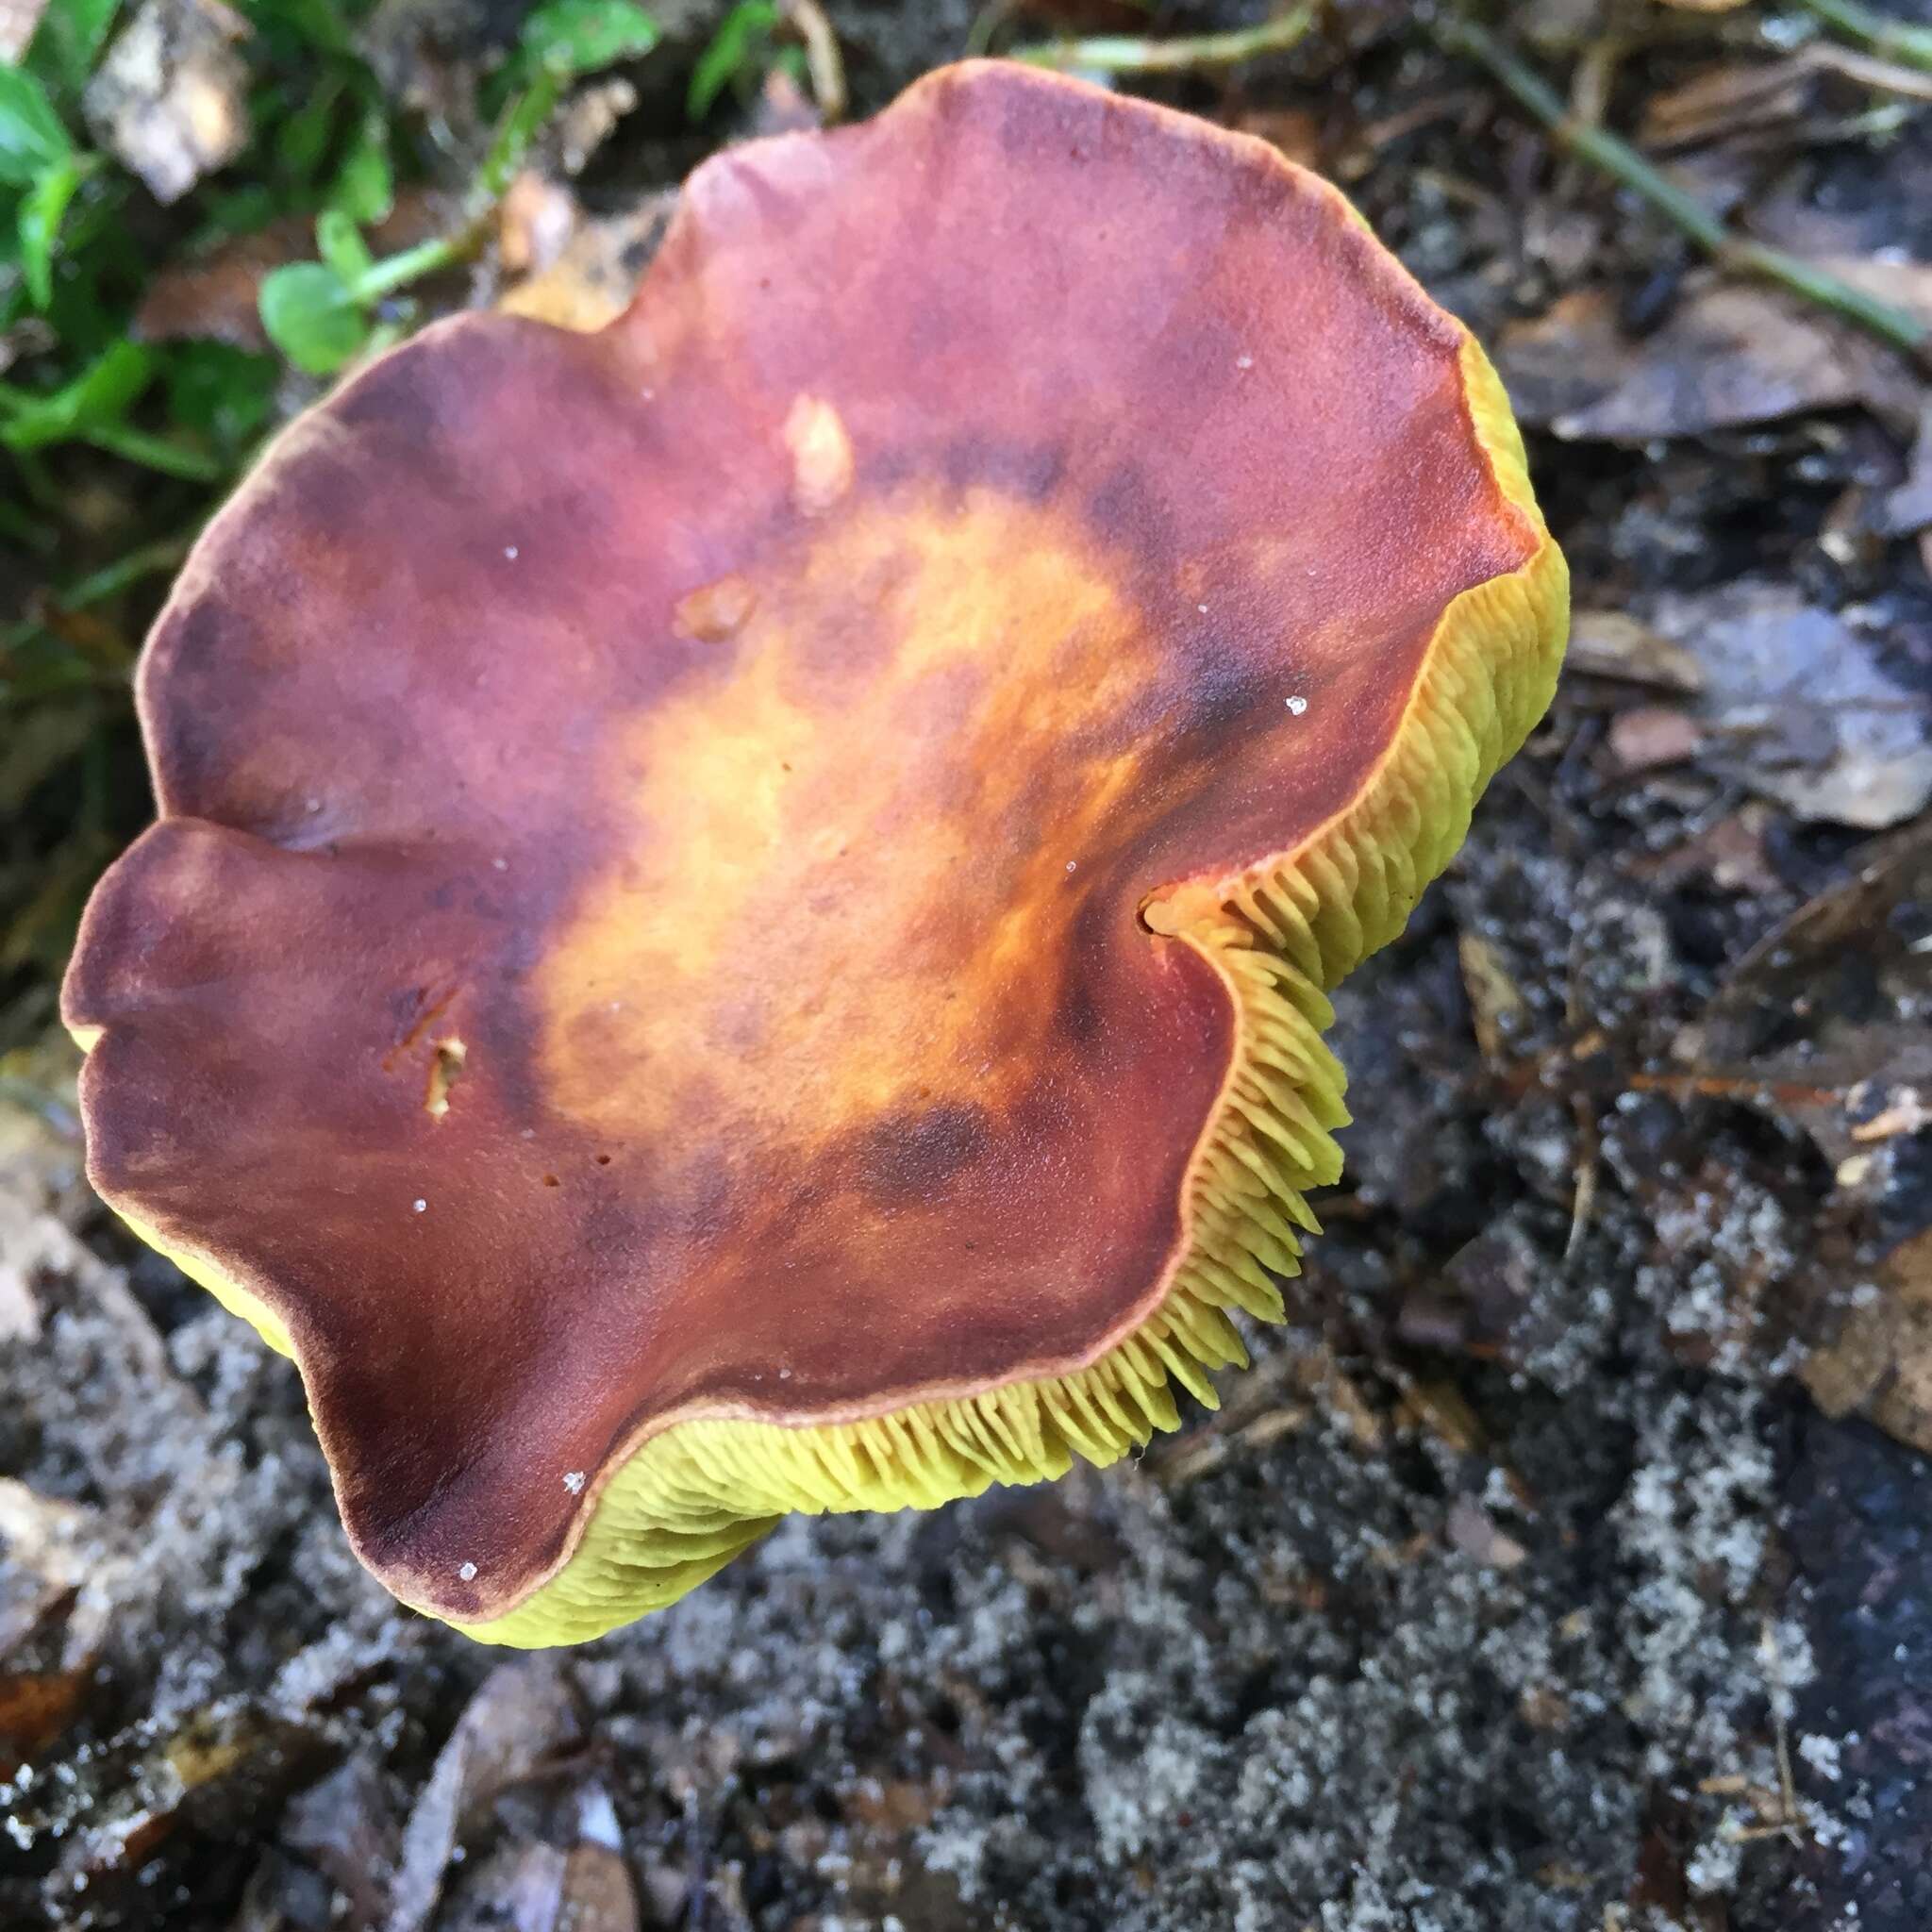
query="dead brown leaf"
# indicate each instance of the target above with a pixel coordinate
(170, 98)
(344, 1827)
(1798, 707)
(1485, 1304)
(523, 1716)
(127, 1799)
(1730, 353)
(1824, 1014)
(1880, 1363)
(1611, 644)
(535, 1887)
(1648, 738)
(35, 1708)
(213, 296)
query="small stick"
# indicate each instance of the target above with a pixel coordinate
(1622, 162)
(1778, 1692)
(1883, 76)
(1733, 1087)
(822, 60)
(1584, 1169)
(1895, 38)
(1123, 54)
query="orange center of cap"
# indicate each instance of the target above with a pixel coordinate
(857, 842)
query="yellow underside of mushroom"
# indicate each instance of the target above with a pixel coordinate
(697, 1493)
(204, 1274)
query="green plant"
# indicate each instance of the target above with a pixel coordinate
(323, 314)
(741, 53)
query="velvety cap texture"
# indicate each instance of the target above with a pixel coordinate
(740, 906)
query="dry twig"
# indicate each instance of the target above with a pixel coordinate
(1126, 54)
(822, 60)
(1867, 69)
(1897, 40)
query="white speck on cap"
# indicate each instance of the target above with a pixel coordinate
(573, 1481)
(510, 550)
(1297, 706)
(1243, 361)
(421, 1207)
(822, 463)
(467, 1571)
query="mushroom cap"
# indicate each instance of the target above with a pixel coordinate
(740, 904)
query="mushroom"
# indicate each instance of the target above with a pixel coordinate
(742, 905)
